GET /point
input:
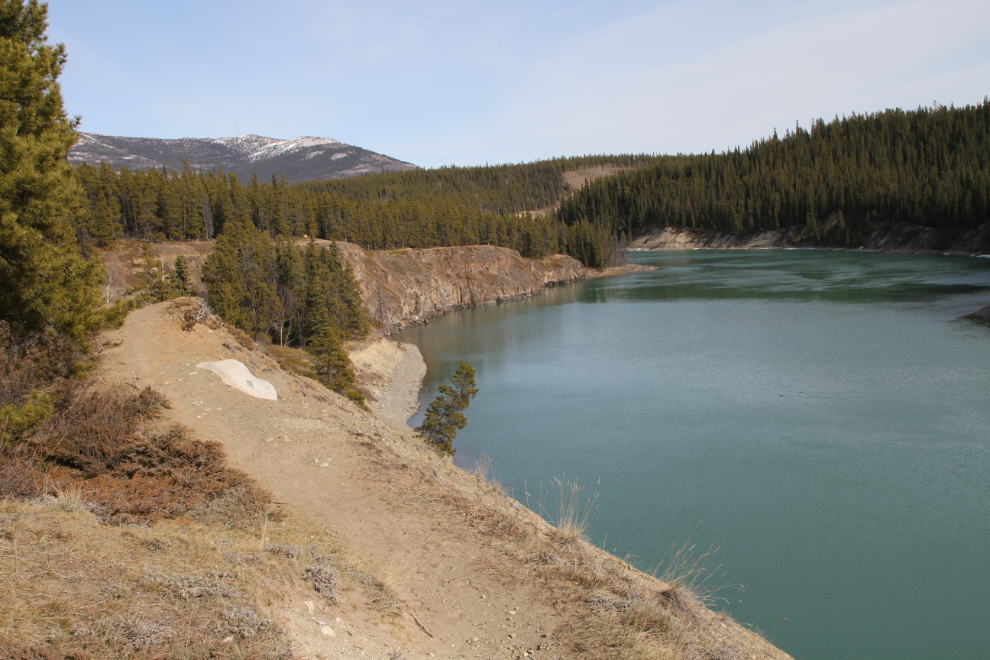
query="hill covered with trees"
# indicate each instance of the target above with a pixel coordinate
(422, 208)
(927, 166)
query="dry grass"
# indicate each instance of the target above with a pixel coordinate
(484, 472)
(293, 360)
(618, 611)
(573, 510)
(73, 587)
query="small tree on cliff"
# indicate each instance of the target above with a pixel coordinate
(330, 361)
(444, 417)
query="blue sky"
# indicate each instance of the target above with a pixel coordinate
(438, 82)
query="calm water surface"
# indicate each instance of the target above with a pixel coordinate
(818, 416)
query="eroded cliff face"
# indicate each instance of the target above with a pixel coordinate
(411, 286)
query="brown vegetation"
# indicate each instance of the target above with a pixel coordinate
(103, 446)
(615, 610)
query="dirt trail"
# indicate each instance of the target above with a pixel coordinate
(453, 580)
(464, 594)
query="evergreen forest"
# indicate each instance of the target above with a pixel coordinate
(927, 166)
(420, 209)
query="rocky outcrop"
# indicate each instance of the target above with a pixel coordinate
(411, 286)
(408, 286)
(869, 234)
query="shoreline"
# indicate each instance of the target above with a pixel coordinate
(399, 400)
(887, 238)
(405, 369)
(393, 373)
(745, 248)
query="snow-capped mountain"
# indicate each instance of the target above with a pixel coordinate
(299, 159)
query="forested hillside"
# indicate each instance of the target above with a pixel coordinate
(928, 166)
(436, 208)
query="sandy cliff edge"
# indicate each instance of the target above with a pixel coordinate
(478, 574)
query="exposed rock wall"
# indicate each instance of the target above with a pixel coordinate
(833, 233)
(411, 286)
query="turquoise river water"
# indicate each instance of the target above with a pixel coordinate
(820, 417)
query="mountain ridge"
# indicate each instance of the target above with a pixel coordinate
(299, 159)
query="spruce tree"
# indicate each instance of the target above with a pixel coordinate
(153, 277)
(444, 417)
(330, 361)
(222, 275)
(180, 279)
(45, 283)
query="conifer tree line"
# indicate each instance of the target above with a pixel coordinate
(307, 298)
(927, 166)
(421, 208)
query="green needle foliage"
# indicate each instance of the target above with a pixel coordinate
(444, 417)
(45, 283)
(926, 166)
(330, 361)
(180, 279)
(50, 298)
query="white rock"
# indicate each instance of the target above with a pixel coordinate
(328, 631)
(236, 375)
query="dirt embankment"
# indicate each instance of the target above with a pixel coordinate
(833, 233)
(469, 572)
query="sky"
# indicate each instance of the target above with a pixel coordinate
(443, 82)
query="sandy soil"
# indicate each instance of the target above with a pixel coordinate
(454, 581)
(398, 370)
(465, 592)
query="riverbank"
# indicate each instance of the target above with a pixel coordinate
(392, 373)
(470, 572)
(412, 286)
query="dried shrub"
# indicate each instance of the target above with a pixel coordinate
(20, 480)
(31, 653)
(101, 445)
(192, 311)
(325, 579)
(242, 337)
(290, 551)
(35, 372)
(93, 435)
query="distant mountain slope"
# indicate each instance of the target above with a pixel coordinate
(300, 159)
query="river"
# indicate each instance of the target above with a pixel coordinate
(820, 418)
